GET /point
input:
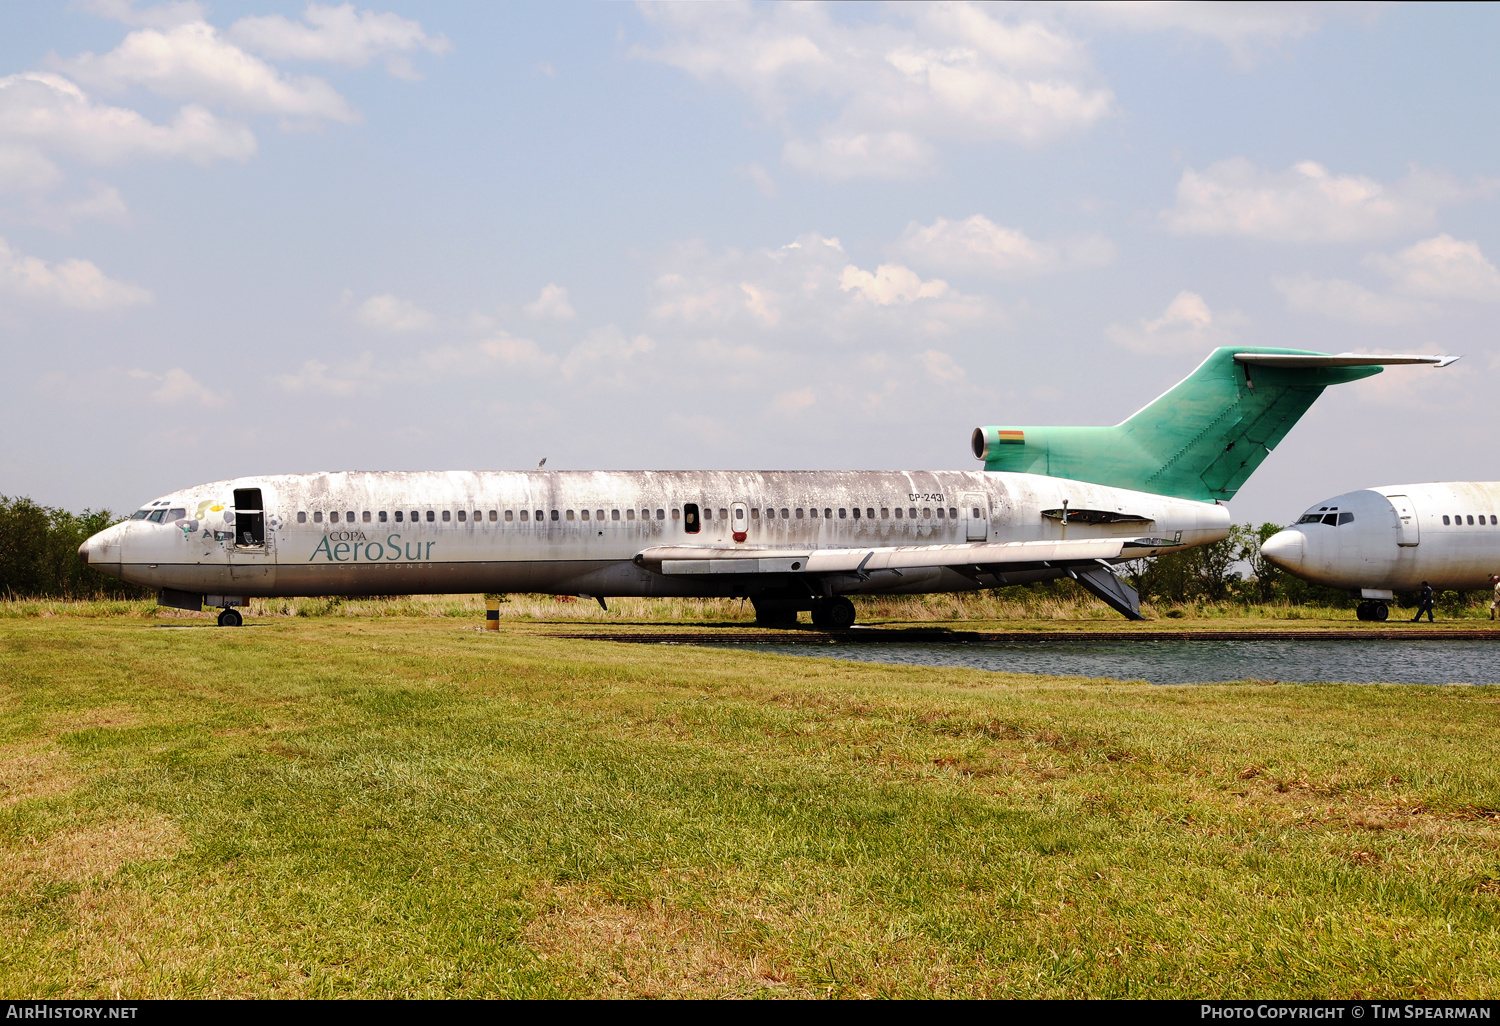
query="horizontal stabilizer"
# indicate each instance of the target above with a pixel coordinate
(1342, 360)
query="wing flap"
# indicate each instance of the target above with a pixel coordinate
(695, 560)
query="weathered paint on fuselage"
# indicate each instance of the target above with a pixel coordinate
(598, 528)
(1377, 551)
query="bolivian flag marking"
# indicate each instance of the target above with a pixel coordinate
(1010, 437)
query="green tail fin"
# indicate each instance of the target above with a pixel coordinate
(1201, 440)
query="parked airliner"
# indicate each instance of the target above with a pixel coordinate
(1051, 502)
(1379, 541)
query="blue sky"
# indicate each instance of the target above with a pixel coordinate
(264, 238)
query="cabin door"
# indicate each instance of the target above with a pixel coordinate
(252, 557)
(976, 513)
(1406, 520)
(739, 520)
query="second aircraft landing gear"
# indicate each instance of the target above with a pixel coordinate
(230, 618)
(834, 614)
(1377, 611)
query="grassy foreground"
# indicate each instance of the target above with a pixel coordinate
(318, 807)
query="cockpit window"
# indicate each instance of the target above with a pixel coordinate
(1345, 518)
(156, 515)
(140, 514)
(1331, 519)
(1311, 518)
(174, 514)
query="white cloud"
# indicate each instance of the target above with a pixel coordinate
(978, 245)
(891, 284)
(42, 111)
(1243, 28)
(1186, 325)
(941, 366)
(901, 80)
(192, 62)
(602, 349)
(26, 169)
(179, 388)
(165, 15)
(71, 283)
(810, 289)
(388, 313)
(365, 375)
(1441, 268)
(339, 35)
(552, 305)
(761, 178)
(1308, 203)
(1345, 301)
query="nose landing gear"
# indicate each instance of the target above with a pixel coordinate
(230, 618)
(1377, 611)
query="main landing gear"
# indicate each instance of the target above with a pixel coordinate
(230, 618)
(831, 614)
(1377, 611)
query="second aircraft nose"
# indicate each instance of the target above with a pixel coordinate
(1284, 549)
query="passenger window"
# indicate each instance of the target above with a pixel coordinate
(525, 515)
(1492, 518)
(614, 514)
(555, 515)
(382, 516)
(1345, 518)
(940, 512)
(510, 515)
(898, 512)
(799, 512)
(827, 513)
(952, 513)
(1445, 521)
(885, 512)
(911, 514)
(398, 516)
(976, 513)
(462, 516)
(1471, 519)
(869, 513)
(301, 516)
(431, 516)
(333, 517)
(786, 514)
(365, 515)
(317, 518)
(630, 514)
(723, 513)
(349, 516)
(927, 512)
(755, 513)
(676, 513)
(739, 513)
(585, 514)
(447, 516)
(661, 514)
(569, 514)
(598, 514)
(856, 512)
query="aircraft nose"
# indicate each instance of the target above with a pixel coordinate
(1284, 549)
(83, 552)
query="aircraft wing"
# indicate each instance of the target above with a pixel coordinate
(696, 559)
(1341, 359)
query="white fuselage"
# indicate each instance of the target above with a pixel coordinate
(579, 532)
(1382, 540)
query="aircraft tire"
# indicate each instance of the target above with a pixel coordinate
(840, 613)
(230, 618)
(1362, 611)
(1380, 613)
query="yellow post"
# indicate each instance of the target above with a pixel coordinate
(492, 615)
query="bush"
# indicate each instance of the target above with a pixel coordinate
(39, 554)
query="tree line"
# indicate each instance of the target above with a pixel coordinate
(39, 553)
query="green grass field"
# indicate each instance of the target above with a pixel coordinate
(405, 805)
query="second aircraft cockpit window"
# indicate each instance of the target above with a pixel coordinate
(159, 516)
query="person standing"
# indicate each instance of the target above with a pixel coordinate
(1424, 603)
(1495, 604)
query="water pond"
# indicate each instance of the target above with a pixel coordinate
(1169, 661)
